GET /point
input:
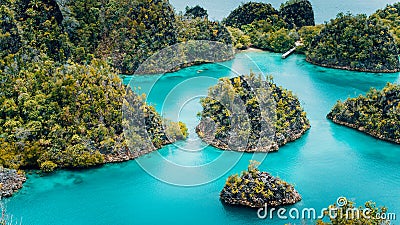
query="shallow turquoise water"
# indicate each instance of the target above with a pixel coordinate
(328, 162)
(324, 10)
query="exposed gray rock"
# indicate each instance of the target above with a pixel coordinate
(10, 181)
(255, 189)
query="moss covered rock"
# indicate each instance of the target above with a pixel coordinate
(249, 114)
(254, 188)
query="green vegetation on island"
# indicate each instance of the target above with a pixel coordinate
(195, 25)
(261, 26)
(390, 16)
(350, 214)
(196, 11)
(247, 113)
(59, 109)
(248, 13)
(255, 189)
(355, 43)
(307, 34)
(377, 113)
(123, 33)
(63, 116)
(297, 13)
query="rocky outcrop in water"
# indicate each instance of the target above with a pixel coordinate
(377, 113)
(10, 181)
(255, 189)
(249, 114)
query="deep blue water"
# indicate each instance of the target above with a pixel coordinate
(327, 162)
(324, 10)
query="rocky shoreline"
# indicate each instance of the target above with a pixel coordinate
(273, 147)
(375, 113)
(362, 129)
(10, 181)
(256, 189)
(351, 69)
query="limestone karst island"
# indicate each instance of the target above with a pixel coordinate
(199, 112)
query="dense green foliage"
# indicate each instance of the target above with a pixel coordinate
(128, 32)
(135, 30)
(40, 28)
(297, 13)
(64, 116)
(267, 28)
(355, 43)
(270, 34)
(10, 40)
(307, 34)
(347, 215)
(255, 189)
(390, 16)
(377, 113)
(249, 12)
(239, 39)
(262, 115)
(200, 28)
(61, 107)
(196, 11)
(124, 33)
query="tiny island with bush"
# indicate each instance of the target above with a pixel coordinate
(256, 189)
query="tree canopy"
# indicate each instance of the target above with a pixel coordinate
(196, 11)
(297, 13)
(246, 113)
(377, 113)
(390, 16)
(64, 116)
(268, 28)
(61, 109)
(355, 43)
(249, 12)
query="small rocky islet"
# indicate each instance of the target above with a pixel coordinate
(256, 189)
(377, 113)
(249, 114)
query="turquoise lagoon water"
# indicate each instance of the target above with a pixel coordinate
(327, 162)
(324, 10)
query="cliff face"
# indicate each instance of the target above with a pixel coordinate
(377, 113)
(256, 189)
(248, 114)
